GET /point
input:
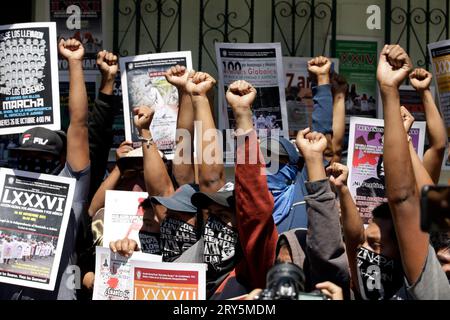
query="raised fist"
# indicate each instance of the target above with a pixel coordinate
(178, 76)
(311, 144)
(240, 96)
(107, 63)
(407, 117)
(394, 66)
(319, 66)
(338, 174)
(420, 79)
(71, 49)
(199, 83)
(143, 117)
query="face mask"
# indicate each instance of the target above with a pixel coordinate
(379, 277)
(39, 165)
(221, 243)
(282, 186)
(150, 242)
(176, 237)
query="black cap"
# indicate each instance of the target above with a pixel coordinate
(180, 200)
(223, 197)
(42, 140)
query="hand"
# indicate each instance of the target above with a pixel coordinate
(123, 149)
(393, 67)
(71, 50)
(124, 247)
(178, 76)
(338, 84)
(143, 117)
(240, 96)
(319, 66)
(311, 144)
(407, 117)
(420, 79)
(199, 83)
(107, 64)
(338, 175)
(331, 290)
(254, 294)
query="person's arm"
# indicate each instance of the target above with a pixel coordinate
(401, 190)
(183, 164)
(437, 134)
(352, 223)
(77, 133)
(254, 203)
(101, 119)
(211, 171)
(339, 89)
(325, 248)
(322, 116)
(420, 173)
(110, 183)
(157, 180)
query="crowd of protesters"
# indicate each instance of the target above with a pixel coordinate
(301, 212)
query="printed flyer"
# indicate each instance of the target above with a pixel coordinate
(299, 96)
(81, 20)
(144, 84)
(123, 216)
(365, 161)
(440, 60)
(114, 274)
(358, 60)
(261, 65)
(169, 281)
(29, 93)
(34, 213)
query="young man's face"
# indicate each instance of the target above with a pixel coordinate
(379, 239)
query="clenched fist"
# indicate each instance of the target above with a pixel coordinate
(71, 50)
(107, 63)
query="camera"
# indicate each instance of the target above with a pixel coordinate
(286, 281)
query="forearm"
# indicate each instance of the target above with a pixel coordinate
(352, 223)
(110, 183)
(157, 180)
(77, 133)
(107, 84)
(211, 171)
(437, 135)
(183, 164)
(338, 126)
(315, 168)
(420, 173)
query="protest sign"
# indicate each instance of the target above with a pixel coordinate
(34, 213)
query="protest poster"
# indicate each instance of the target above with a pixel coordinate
(34, 213)
(440, 60)
(144, 84)
(299, 96)
(113, 274)
(365, 161)
(81, 20)
(261, 65)
(118, 124)
(169, 281)
(29, 93)
(64, 87)
(123, 216)
(358, 60)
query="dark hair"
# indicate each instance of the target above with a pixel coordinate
(440, 240)
(384, 212)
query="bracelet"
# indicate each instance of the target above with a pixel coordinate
(148, 141)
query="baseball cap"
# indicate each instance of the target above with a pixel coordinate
(180, 200)
(42, 140)
(278, 146)
(223, 197)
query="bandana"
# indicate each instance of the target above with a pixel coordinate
(221, 243)
(176, 237)
(379, 277)
(150, 242)
(39, 165)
